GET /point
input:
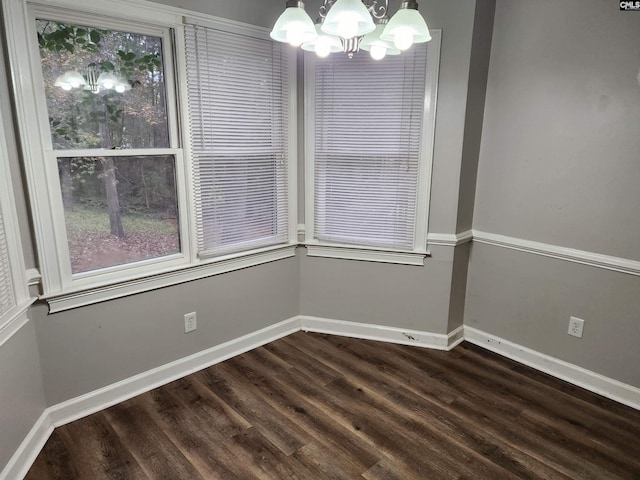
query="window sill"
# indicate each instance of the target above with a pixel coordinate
(88, 296)
(367, 254)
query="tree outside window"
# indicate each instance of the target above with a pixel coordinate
(106, 92)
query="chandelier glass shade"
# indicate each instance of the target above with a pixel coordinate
(351, 25)
(323, 44)
(294, 26)
(376, 46)
(348, 19)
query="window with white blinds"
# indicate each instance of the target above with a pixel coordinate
(369, 149)
(238, 95)
(7, 297)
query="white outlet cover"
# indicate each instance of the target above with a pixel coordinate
(576, 326)
(190, 322)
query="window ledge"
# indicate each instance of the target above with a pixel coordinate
(367, 254)
(229, 263)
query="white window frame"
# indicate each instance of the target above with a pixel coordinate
(62, 290)
(16, 316)
(417, 254)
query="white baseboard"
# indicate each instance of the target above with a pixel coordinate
(29, 449)
(594, 382)
(105, 397)
(402, 336)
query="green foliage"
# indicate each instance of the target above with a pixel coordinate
(57, 37)
(83, 119)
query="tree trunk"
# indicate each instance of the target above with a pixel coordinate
(110, 183)
(113, 203)
(66, 183)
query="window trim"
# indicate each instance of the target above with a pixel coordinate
(63, 296)
(316, 248)
(16, 316)
(45, 188)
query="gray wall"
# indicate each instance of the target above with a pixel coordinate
(90, 347)
(262, 12)
(21, 395)
(380, 294)
(559, 158)
(559, 165)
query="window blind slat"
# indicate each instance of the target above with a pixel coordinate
(7, 298)
(238, 113)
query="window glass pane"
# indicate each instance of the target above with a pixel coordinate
(119, 210)
(104, 89)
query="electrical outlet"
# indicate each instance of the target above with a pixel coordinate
(190, 322)
(576, 325)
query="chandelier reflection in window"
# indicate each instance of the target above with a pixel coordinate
(93, 80)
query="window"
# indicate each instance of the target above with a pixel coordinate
(239, 110)
(109, 132)
(156, 152)
(369, 134)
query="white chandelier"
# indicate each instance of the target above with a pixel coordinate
(350, 25)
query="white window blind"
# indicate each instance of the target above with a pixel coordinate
(7, 298)
(238, 93)
(367, 127)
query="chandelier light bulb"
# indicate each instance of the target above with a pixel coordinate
(72, 84)
(378, 52)
(323, 47)
(107, 80)
(295, 37)
(378, 48)
(66, 86)
(324, 44)
(120, 88)
(403, 39)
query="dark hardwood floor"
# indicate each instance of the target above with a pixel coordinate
(311, 406)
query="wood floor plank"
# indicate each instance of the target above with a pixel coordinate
(101, 455)
(311, 406)
(204, 447)
(524, 394)
(352, 454)
(54, 462)
(225, 382)
(467, 433)
(148, 443)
